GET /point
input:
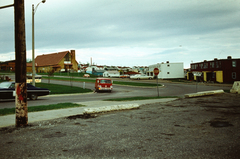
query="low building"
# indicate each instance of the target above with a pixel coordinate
(98, 72)
(217, 70)
(167, 70)
(111, 74)
(7, 66)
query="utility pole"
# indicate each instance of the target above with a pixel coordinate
(20, 56)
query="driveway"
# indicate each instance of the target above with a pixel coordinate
(205, 127)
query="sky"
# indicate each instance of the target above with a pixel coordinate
(128, 32)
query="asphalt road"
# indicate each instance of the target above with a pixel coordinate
(119, 91)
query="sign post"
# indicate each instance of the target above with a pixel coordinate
(197, 74)
(156, 72)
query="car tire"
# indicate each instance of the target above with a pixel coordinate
(33, 96)
(150, 78)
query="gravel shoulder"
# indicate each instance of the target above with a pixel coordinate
(204, 127)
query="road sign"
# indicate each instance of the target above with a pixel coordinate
(156, 71)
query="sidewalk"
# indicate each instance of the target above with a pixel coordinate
(9, 120)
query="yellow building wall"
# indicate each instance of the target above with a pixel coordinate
(195, 78)
(219, 76)
(29, 69)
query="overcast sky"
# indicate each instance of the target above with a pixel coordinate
(128, 32)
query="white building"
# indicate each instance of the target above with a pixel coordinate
(167, 70)
(111, 74)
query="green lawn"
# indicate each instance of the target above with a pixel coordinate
(69, 74)
(114, 82)
(7, 111)
(62, 89)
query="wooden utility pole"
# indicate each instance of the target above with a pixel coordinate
(20, 70)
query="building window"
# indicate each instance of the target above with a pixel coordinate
(218, 64)
(212, 64)
(168, 65)
(67, 57)
(168, 72)
(234, 63)
(205, 65)
(234, 75)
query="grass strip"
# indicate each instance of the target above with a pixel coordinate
(138, 98)
(7, 111)
(114, 82)
(68, 74)
(62, 89)
(70, 79)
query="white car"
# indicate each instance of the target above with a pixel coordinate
(138, 77)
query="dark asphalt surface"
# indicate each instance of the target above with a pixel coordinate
(206, 127)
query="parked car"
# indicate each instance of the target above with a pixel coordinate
(124, 76)
(103, 84)
(86, 75)
(7, 90)
(142, 76)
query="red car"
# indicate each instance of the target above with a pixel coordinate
(103, 84)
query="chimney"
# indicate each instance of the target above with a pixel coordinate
(73, 54)
(229, 57)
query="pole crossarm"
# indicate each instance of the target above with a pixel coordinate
(7, 6)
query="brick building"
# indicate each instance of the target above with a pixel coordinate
(217, 70)
(7, 65)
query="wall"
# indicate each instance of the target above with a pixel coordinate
(171, 70)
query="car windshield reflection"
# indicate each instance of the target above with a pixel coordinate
(5, 85)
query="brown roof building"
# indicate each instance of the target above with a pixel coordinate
(61, 61)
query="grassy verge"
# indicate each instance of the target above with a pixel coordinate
(62, 89)
(139, 98)
(114, 82)
(70, 79)
(69, 74)
(7, 111)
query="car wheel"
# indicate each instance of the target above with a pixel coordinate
(33, 96)
(150, 78)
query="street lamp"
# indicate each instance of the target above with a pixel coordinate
(33, 49)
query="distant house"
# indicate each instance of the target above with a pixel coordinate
(61, 61)
(217, 70)
(111, 74)
(7, 66)
(167, 70)
(91, 69)
(98, 72)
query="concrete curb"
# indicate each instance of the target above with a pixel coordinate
(205, 93)
(110, 108)
(235, 87)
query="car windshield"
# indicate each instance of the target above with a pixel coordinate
(5, 84)
(105, 81)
